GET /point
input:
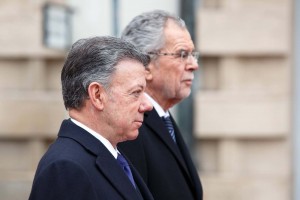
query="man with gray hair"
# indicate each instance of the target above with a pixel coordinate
(159, 153)
(103, 83)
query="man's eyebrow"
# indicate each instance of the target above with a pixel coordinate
(138, 86)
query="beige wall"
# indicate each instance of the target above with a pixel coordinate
(30, 97)
(243, 111)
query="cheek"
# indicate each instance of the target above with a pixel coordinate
(129, 111)
(176, 79)
(171, 76)
(170, 83)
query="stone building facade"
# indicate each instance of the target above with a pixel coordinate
(243, 111)
(30, 95)
(243, 116)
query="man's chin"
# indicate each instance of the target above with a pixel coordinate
(184, 94)
(133, 135)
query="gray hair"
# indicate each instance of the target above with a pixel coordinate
(94, 60)
(146, 31)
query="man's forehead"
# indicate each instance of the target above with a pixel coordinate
(179, 42)
(176, 35)
(129, 69)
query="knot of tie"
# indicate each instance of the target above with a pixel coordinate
(122, 161)
(125, 166)
(169, 126)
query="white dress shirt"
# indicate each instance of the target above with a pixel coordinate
(157, 107)
(103, 140)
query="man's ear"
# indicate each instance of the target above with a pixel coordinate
(149, 68)
(97, 95)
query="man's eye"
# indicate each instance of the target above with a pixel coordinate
(137, 92)
(184, 54)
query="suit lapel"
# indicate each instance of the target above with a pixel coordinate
(105, 161)
(154, 122)
(110, 168)
(142, 189)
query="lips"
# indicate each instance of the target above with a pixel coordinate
(188, 81)
(138, 124)
(139, 121)
(189, 78)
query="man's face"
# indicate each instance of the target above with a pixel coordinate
(126, 102)
(171, 76)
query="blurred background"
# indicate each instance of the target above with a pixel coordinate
(241, 121)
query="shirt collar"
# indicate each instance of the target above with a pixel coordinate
(103, 140)
(157, 107)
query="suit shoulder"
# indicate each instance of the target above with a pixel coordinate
(65, 152)
(59, 179)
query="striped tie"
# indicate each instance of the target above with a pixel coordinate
(169, 126)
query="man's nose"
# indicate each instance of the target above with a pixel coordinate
(146, 105)
(192, 64)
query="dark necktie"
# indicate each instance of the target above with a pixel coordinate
(169, 126)
(125, 166)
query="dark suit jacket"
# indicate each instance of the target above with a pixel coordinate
(166, 168)
(78, 166)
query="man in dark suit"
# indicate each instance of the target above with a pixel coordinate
(159, 153)
(103, 83)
